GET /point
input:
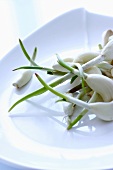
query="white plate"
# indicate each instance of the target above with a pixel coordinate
(41, 142)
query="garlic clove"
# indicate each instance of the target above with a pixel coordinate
(68, 108)
(107, 51)
(85, 57)
(106, 35)
(111, 37)
(93, 70)
(105, 65)
(103, 110)
(102, 85)
(24, 79)
(68, 59)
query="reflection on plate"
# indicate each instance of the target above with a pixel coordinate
(43, 141)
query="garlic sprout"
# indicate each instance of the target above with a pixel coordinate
(27, 74)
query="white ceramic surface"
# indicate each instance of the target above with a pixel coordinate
(41, 142)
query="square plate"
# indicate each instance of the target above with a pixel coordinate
(42, 142)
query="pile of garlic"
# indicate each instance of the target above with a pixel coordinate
(91, 82)
(98, 77)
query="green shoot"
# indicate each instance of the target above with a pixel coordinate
(73, 79)
(34, 68)
(41, 90)
(26, 54)
(100, 47)
(61, 95)
(83, 112)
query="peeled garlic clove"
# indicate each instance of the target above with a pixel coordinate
(103, 110)
(24, 79)
(68, 108)
(107, 51)
(111, 37)
(68, 59)
(102, 85)
(93, 70)
(106, 35)
(105, 65)
(85, 57)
